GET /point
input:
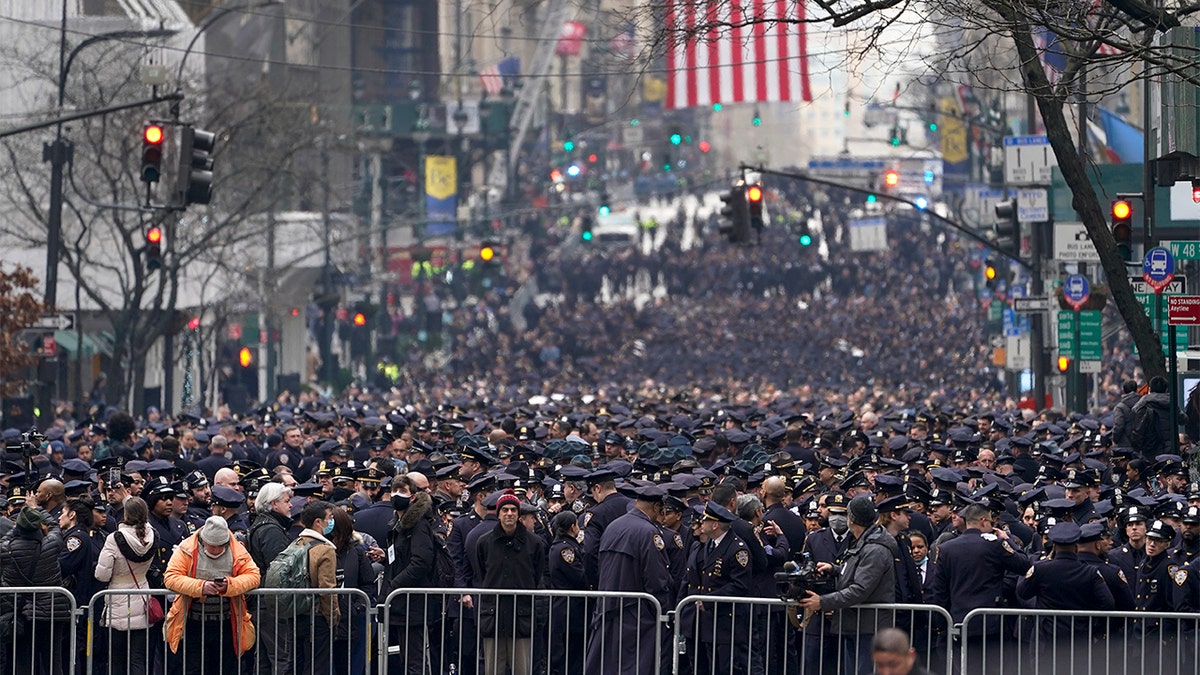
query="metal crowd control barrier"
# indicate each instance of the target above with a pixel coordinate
(1029, 641)
(434, 630)
(38, 628)
(719, 634)
(287, 632)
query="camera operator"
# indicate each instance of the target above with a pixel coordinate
(867, 575)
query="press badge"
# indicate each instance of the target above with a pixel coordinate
(391, 554)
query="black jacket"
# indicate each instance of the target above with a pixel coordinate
(31, 559)
(267, 539)
(354, 570)
(412, 552)
(505, 561)
(1151, 432)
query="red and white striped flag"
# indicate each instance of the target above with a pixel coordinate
(709, 62)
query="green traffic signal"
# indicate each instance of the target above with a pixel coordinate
(716, 107)
(757, 121)
(633, 122)
(871, 199)
(806, 240)
(676, 139)
(605, 210)
(569, 145)
(586, 235)
(933, 126)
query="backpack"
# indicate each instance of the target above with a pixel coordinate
(1144, 435)
(289, 569)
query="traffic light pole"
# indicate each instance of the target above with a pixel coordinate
(1037, 347)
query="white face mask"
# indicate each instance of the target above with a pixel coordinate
(218, 554)
(839, 524)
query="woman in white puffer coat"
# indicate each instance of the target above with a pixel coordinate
(123, 563)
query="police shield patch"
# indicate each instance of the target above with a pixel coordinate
(1007, 547)
(587, 518)
(1180, 577)
(659, 543)
(1029, 572)
(1121, 576)
(678, 541)
(742, 557)
(73, 544)
(568, 556)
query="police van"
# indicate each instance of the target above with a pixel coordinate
(616, 229)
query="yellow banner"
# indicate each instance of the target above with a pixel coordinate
(653, 89)
(954, 132)
(441, 176)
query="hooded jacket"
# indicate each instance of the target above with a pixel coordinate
(126, 612)
(1151, 427)
(180, 577)
(30, 558)
(867, 575)
(412, 552)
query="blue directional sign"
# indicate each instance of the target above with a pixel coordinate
(1076, 290)
(1158, 268)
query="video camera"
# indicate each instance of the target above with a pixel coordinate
(28, 444)
(796, 579)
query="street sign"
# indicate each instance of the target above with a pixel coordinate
(1076, 290)
(1183, 250)
(1033, 205)
(1015, 324)
(1183, 310)
(1017, 353)
(1177, 286)
(1089, 334)
(1158, 268)
(1072, 244)
(1038, 304)
(1028, 160)
(1089, 366)
(54, 322)
(1148, 301)
(868, 234)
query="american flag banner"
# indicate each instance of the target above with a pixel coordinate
(713, 58)
(495, 76)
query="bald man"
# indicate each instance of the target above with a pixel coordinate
(419, 481)
(776, 502)
(227, 477)
(49, 497)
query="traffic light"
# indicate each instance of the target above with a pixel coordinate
(359, 319)
(990, 272)
(604, 207)
(245, 357)
(152, 153)
(195, 166)
(153, 248)
(806, 238)
(1196, 190)
(1122, 228)
(1064, 364)
(585, 229)
(735, 222)
(1007, 229)
(891, 179)
(754, 202)
(676, 138)
(487, 253)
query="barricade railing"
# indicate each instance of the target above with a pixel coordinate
(38, 629)
(720, 634)
(1029, 641)
(440, 630)
(269, 630)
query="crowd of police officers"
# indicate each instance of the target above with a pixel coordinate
(673, 498)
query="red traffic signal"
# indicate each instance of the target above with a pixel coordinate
(1064, 364)
(1121, 210)
(1196, 191)
(754, 193)
(245, 357)
(360, 319)
(705, 146)
(891, 178)
(153, 248)
(152, 153)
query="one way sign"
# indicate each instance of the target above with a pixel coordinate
(54, 322)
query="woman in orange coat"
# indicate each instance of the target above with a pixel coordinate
(210, 571)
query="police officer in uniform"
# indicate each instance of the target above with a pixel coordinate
(568, 616)
(610, 505)
(969, 574)
(1152, 591)
(631, 558)
(1093, 539)
(227, 503)
(1064, 582)
(199, 509)
(1129, 556)
(720, 567)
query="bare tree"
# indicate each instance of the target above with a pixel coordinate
(993, 44)
(260, 137)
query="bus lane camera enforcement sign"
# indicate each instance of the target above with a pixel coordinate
(1072, 244)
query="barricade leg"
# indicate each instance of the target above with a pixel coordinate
(275, 644)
